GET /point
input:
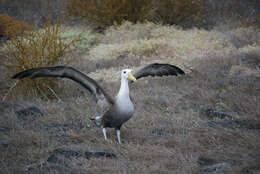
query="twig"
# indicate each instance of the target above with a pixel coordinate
(54, 93)
(10, 89)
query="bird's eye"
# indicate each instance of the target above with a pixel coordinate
(124, 72)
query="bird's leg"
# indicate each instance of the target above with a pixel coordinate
(118, 135)
(105, 133)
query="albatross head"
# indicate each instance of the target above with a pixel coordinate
(126, 74)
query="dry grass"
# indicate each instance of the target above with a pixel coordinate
(144, 41)
(84, 36)
(44, 47)
(203, 122)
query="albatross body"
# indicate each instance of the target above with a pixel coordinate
(123, 108)
(115, 111)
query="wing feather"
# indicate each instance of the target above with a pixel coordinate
(90, 84)
(157, 69)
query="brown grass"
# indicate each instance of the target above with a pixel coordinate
(44, 47)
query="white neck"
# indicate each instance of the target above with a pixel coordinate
(124, 89)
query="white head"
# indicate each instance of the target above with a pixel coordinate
(126, 74)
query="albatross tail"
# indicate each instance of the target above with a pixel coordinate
(96, 120)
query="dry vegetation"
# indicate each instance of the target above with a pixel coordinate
(181, 12)
(36, 48)
(109, 12)
(31, 10)
(106, 13)
(204, 122)
(9, 27)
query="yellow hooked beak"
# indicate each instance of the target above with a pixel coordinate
(131, 77)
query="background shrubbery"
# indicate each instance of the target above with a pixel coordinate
(109, 12)
(10, 27)
(234, 13)
(31, 10)
(185, 13)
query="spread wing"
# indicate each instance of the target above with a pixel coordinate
(102, 98)
(157, 69)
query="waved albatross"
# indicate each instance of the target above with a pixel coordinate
(115, 111)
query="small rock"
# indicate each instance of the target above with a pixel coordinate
(122, 57)
(4, 128)
(236, 124)
(3, 144)
(61, 157)
(87, 154)
(212, 113)
(215, 168)
(204, 161)
(158, 131)
(99, 153)
(68, 152)
(22, 112)
(9, 106)
(30, 112)
(53, 159)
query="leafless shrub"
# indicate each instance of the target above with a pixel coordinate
(183, 13)
(43, 47)
(30, 10)
(106, 13)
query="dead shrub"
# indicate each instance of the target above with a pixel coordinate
(31, 10)
(108, 12)
(179, 12)
(10, 27)
(43, 47)
(234, 13)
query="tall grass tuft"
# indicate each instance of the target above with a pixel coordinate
(37, 48)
